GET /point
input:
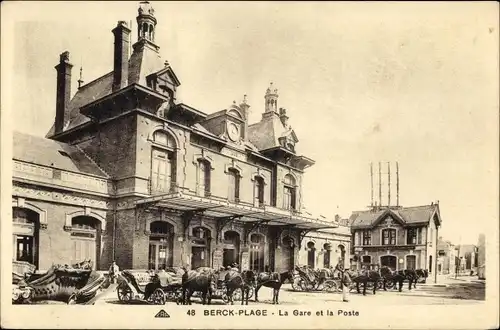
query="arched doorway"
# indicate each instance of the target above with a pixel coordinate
(257, 243)
(25, 230)
(231, 248)
(200, 247)
(389, 261)
(342, 252)
(311, 255)
(85, 239)
(326, 257)
(288, 253)
(161, 243)
(411, 262)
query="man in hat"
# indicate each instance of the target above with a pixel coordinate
(113, 271)
(345, 280)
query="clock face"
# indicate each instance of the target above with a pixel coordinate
(233, 132)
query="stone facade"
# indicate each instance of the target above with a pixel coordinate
(128, 174)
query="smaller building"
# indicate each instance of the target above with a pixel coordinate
(467, 256)
(396, 237)
(445, 257)
(324, 248)
(481, 257)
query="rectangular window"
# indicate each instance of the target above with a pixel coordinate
(204, 169)
(259, 191)
(389, 237)
(419, 236)
(289, 197)
(367, 237)
(234, 186)
(411, 236)
(161, 172)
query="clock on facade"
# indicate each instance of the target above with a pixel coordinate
(233, 132)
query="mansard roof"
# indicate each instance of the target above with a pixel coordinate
(45, 152)
(266, 133)
(408, 215)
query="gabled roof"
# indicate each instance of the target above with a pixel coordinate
(409, 215)
(46, 152)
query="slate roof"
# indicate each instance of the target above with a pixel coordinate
(265, 134)
(88, 93)
(409, 215)
(46, 152)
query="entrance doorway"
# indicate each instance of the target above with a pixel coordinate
(311, 254)
(389, 261)
(160, 245)
(231, 248)
(25, 238)
(200, 248)
(326, 257)
(288, 253)
(257, 243)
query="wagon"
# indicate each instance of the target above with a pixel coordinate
(306, 279)
(145, 285)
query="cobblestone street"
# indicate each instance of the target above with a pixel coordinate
(447, 291)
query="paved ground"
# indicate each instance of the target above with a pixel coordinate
(448, 291)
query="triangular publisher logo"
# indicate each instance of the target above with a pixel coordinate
(162, 313)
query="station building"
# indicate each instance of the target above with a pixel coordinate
(127, 173)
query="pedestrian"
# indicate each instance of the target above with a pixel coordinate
(113, 271)
(345, 281)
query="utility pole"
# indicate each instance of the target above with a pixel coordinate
(389, 184)
(379, 185)
(371, 181)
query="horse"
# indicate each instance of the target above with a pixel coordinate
(365, 276)
(274, 281)
(204, 282)
(236, 280)
(421, 273)
(398, 276)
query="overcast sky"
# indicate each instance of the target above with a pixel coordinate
(362, 82)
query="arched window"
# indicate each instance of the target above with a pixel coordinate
(289, 193)
(326, 257)
(259, 190)
(234, 185)
(311, 254)
(342, 251)
(85, 242)
(389, 236)
(163, 163)
(204, 172)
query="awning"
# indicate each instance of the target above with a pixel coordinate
(220, 209)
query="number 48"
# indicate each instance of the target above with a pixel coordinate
(191, 312)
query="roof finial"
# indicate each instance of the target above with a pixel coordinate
(166, 64)
(80, 81)
(245, 99)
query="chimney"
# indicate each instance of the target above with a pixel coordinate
(246, 112)
(337, 217)
(121, 54)
(63, 95)
(283, 117)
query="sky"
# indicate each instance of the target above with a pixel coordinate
(413, 83)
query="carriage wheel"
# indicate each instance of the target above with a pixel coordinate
(124, 293)
(237, 294)
(296, 286)
(225, 298)
(380, 285)
(250, 292)
(330, 286)
(389, 284)
(158, 297)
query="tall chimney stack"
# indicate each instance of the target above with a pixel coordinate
(371, 182)
(389, 184)
(246, 112)
(63, 95)
(397, 184)
(121, 55)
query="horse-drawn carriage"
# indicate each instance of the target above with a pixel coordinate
(71, 284)
(153, 288)
(307, 279)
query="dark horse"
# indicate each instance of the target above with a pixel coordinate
(397, 277)
(193, 281)
(274, 281)
(421, 273)
(364, 277)
(236, 280)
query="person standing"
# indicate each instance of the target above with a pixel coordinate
(113, 271)
(345, 280)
